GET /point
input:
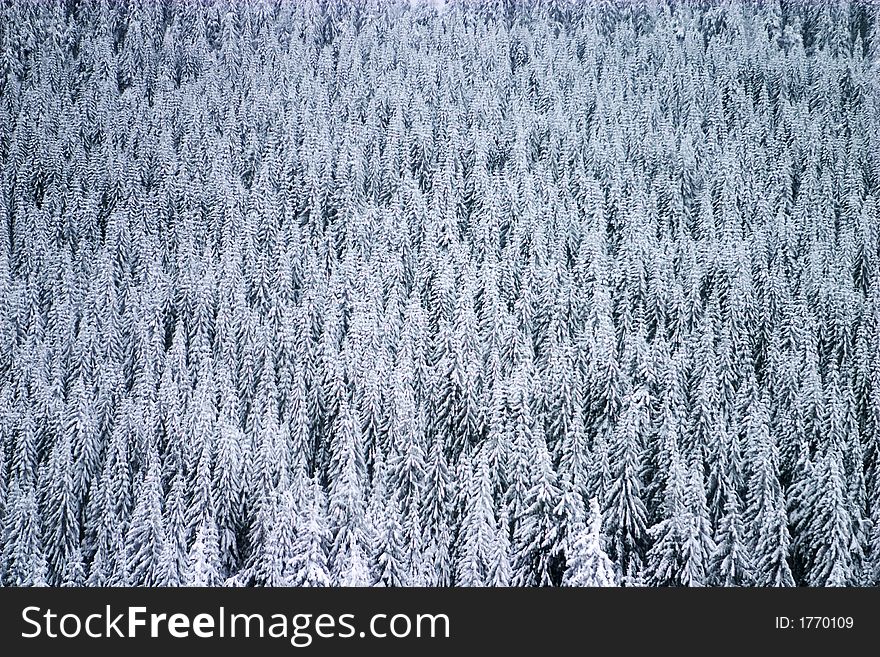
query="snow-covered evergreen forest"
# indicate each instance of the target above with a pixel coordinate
(461, 293)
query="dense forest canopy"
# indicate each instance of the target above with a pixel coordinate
(451, 293)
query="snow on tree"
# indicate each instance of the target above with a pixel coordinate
(586, 562)
(281, 305)
(309, 565)
(478, 534)
(203, 565)
(146, 532)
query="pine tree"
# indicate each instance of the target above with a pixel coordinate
(309, 566)
(500, 570)
(226, 489)
(477, 535)
(435, 518)
(60, 510)
(682, 545)
(387, 557)
(731, 561)
(175, 557)
(825, 525)
(145, 540)
(203, 563)
(625, 511)
(587, 564)
(537, 551)
(766, 517)
(252, 251)
(348, 556)
(23, 557)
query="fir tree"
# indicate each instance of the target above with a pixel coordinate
(587, 564)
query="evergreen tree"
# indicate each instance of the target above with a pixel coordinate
(538, 557)
(23, 557)
(587, 564)
(203, 564)
(767, 520)
(280, 303)
(348, 555)
(387, 557)
(146, 537)
(477, 535)
(625, 512)
(60, 510)
(309, 567)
